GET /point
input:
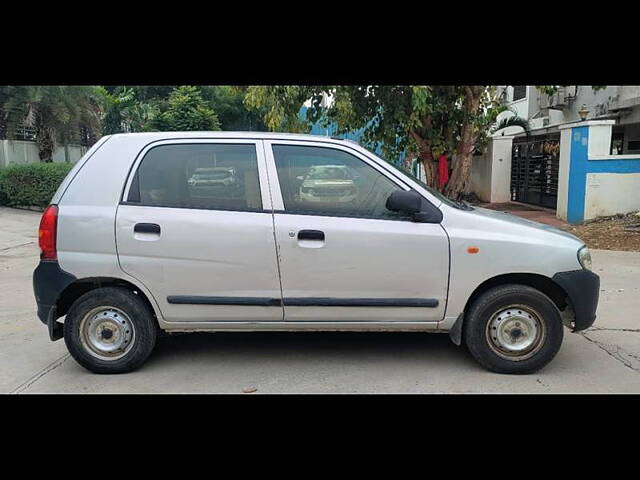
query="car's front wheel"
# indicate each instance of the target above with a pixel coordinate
(513, 329)
(110, 330)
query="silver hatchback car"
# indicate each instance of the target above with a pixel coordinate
(135, 243)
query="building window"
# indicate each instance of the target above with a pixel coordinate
(617, 143)
(633, 146)
(519, 92)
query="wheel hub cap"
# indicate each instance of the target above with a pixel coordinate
(515, 332)
(107, 333)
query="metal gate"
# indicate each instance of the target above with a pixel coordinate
(534, 170)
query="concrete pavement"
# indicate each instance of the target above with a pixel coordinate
(604, 359)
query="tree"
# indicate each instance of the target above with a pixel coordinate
(228, 103)
(57, 113)
(280, 105)
(140, 108)
(423, 121)
(186, 110)
(125, 112)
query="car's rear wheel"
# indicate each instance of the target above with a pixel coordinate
(513, 329)
(110, 330)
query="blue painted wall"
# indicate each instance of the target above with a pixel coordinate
(577, 174)
(580, 166)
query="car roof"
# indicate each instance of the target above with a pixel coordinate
(222, 134)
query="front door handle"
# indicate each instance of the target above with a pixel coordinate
(311, 235)
(147, 228)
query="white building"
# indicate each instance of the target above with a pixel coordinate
(581, 155)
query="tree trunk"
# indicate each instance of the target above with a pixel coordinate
(45, 140)
(425, 155)
(462, 168)
(45, 148)
(3, 125)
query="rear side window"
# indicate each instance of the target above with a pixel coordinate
(199, 176)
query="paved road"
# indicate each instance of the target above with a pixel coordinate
(604, 359)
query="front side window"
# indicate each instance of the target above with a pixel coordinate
(200, 176)
(327, 181)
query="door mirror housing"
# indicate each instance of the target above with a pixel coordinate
(404, 202)
(412, 204)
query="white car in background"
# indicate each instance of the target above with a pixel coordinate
(328, 183)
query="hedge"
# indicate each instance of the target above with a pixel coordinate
(31, 184)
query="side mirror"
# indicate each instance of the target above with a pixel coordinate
(412, 204)
(404, 202)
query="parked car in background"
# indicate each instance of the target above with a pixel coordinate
(328, 183)
(128, 251)
(213, 177)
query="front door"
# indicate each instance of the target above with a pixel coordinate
(197, 230)
(343, 255)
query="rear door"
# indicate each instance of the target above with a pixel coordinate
(196, 229)
(343, 255)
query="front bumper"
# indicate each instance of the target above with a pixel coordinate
(583, 290)
(49, 280)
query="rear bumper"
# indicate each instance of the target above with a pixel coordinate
(583, 289)
(49, 280)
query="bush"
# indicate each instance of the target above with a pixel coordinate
(186, 111)
(31, 184)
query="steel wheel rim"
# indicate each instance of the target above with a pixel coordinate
(107, 333)
(516, 332)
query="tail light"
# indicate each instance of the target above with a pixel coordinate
(47, 233)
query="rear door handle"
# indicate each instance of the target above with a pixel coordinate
(147, 228)
(311, 235)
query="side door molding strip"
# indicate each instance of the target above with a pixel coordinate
(303, 301)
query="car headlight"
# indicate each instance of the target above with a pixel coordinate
(584, 257)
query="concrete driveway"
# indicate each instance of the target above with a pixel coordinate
(603, 359)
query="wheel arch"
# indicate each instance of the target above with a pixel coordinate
(79, 287)
(540, 282)
(544, 284)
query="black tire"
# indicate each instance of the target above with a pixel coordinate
(477, 329)
(138, 313)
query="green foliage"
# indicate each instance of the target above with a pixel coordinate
(423, 121)
(31, 184)
(281, 105)
(141, 109)
(228, 103)
(512, 121)
(396, 117)
(59, 114)
(125, 112)
(186, 111)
